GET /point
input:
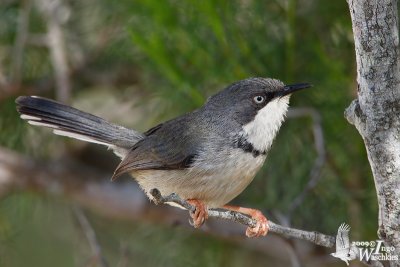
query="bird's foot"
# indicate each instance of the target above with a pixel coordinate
(200, 214)
(260, 229)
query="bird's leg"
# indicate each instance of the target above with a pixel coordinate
(261, 228)
(200, 214)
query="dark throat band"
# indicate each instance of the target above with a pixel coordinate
(246, 146)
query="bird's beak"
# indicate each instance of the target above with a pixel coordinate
(291, 88)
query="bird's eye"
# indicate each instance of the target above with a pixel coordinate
(259, 99)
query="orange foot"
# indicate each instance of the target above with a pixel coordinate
(261, 228)
(200, 214)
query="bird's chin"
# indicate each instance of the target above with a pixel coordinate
(285, 98)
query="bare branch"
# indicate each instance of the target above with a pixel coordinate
(314, 237)
(294, 258)
(55, 14)
(38, 39)
(20, 41)
(319, 144)
(3, 79)
(90, 236)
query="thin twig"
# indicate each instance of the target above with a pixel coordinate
(54, 11)
(38, 39)
(90, 236)
(124, 259)
(314, 237)
(319, 144)
(3, 79)
(293, 255)
(20, 41)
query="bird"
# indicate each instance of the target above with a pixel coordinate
(344, 250)
(207, 156)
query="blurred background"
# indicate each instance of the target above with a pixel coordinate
(140, 62)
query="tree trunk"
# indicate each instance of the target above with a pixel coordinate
(376, 111)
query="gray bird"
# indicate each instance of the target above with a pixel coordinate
(207, 156)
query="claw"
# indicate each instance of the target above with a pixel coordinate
(261, 228)
(200, 214)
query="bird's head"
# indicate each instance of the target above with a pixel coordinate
(259, 105)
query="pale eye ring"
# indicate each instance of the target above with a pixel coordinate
(259, 99)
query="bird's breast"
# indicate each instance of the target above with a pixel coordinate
(215, 178)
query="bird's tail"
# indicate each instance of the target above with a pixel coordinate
(71, 122)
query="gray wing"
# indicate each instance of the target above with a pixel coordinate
(342, 237)
(171, 145)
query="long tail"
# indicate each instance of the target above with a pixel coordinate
(71, 122)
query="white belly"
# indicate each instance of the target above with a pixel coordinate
(214, 184)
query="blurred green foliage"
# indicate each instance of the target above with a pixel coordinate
(168, 57)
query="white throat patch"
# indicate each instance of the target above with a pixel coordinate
(262, 130)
